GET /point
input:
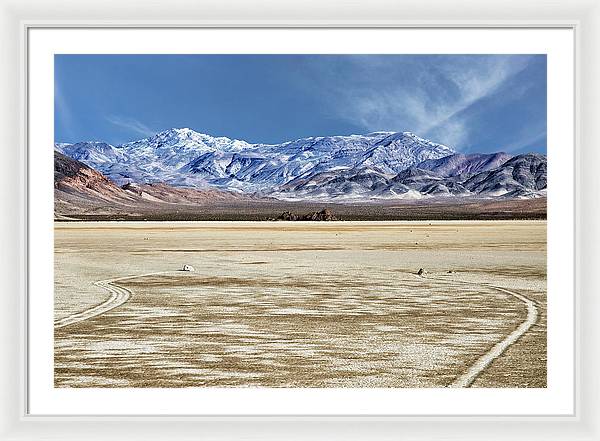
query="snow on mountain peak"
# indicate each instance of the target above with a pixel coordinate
(182, 156)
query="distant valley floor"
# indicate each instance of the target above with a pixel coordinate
(254, 209)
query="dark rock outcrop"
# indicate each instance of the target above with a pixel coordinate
(134, 188)
(323, 215)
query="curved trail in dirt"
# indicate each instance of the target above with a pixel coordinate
(118, 296)
(467, 378)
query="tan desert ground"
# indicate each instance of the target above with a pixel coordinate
(300, 304)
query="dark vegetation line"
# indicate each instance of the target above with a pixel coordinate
(240, 216)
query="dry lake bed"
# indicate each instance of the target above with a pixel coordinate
(301, 304)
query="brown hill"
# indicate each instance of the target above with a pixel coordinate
(80, 191)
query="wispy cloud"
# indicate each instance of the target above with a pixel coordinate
(63, 113)
(527, 140)
(131, 124)
(426, 95)
(475, 83)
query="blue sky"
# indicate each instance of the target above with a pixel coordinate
(474, 103)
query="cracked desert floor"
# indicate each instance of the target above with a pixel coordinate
(301, 304)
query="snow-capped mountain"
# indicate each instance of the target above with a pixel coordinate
(379, 165)
(460, 164)
(522, 176)
(183, 157)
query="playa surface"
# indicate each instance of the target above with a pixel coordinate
(300, 304)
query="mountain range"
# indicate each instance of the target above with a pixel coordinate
(371, 167)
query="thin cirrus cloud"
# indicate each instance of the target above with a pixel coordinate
(526, 140)
(64, 115)
(429, 95)
(131, 125)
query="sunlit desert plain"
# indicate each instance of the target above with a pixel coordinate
(300, 304)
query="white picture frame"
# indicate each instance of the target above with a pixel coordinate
(17, 17)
